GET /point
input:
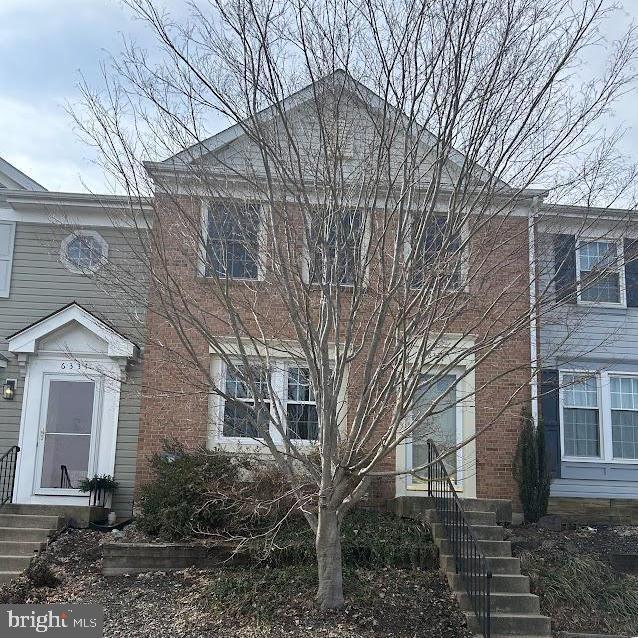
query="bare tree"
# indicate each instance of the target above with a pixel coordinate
(366, 235)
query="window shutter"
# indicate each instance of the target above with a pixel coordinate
(7, 236)
(565, 268)
(630, 250)
(550, 413)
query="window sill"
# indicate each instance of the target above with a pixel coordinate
(602, 304)
(598, 460)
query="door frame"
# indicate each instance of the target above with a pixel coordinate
(107, 374)
(96, 419)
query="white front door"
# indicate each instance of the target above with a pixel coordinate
(67, 433)
(68, 428)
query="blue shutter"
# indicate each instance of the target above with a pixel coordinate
(565, 268)
(630, 250)
(550, 413)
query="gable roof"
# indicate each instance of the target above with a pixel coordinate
(11, 177)
(339, 78)
(24, 341)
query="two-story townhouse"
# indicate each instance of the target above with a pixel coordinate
(586, 259)
(69, 351)
(179, 360)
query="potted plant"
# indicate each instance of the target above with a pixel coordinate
(99, 488)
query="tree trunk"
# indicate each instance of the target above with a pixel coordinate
(328, 545)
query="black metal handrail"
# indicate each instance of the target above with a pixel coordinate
(471, 564)
(8, 462)
(65, 479)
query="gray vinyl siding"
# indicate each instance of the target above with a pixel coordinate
(40, 285)
(588, 338)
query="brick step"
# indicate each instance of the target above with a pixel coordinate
(5, 577)
(501, 583)
(32, 534)
(14, 563)
(482, 532)
(489, 548)
(510, 624)
(31, 521)
(20, 548)
(505, 602)
(500, 564)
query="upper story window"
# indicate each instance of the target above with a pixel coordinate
(599, 272)
(232, 241)
(84, 252)
(437, 253)
(337, 245)
(7, 238)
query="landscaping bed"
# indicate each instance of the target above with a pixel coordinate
(259, 600)
(579, 577)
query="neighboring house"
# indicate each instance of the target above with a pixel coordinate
(589, 354)
(69, 354)
(483, 467)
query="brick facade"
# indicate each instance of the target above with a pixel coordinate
(175, 401)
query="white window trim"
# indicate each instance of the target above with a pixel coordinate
(262, 240)
(604, 417)
(411, 483)
(69, 265)
(6, 290)
(620, 263)
(278, 382)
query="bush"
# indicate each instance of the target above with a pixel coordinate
(40, 574)
(201, 492)
(176, 503)
(530, 469)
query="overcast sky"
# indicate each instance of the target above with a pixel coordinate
(46, 44)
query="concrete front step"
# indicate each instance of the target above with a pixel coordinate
(510, 624)
(505, 602)
(31, 521)
(10, 563)
(501, 583)
(500, 564)
(20, 548)
(31, 534)
(489, 548)
(482, 532)
(473, 518)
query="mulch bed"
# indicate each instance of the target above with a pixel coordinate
(252, 602)
(579, 583)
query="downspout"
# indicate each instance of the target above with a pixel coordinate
(533, 324)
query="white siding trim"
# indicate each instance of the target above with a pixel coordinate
(10, 228)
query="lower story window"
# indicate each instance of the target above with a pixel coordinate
(624, 416)
(581, 416)
(284, 389)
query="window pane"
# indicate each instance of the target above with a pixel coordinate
(440, 427)
(299, 385)
(337, 252)
(597, 254)
(239, 420)
(624, 393)
(579, 392)
(84, 251)
(604, 289)
(232, 243)
(624, 431)
(436, 254)
(581, 432)
(303, 421)
(239, 416)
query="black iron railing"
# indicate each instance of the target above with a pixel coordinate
(471, 564)
(8, 463)
(65, 479)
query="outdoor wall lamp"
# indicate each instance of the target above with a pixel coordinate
(9, 389)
